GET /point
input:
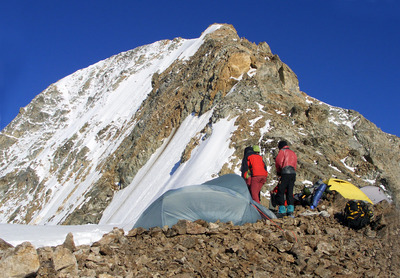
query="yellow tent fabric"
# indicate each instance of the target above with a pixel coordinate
(347, 190)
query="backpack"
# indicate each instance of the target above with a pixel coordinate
(357, 214)
(273, 201)
(305, 197)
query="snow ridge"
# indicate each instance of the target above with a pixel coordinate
(88, 113)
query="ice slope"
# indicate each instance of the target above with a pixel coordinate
(163, 171)
(114, 91)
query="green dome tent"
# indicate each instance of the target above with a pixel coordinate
(225, 198)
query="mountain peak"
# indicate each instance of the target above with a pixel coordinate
(104, 142)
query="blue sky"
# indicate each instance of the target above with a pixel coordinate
(344, 52)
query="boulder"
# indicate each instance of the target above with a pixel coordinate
(21, 261)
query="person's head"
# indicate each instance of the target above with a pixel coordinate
(282, 144)
(247, 150)
(256, 148)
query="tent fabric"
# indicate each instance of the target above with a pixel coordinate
(375, 194)
(347, 190)
(226, 198)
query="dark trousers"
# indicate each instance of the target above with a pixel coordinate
(285, 187)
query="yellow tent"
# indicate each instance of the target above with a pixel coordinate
(347, 190)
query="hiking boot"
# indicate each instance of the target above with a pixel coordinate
(290, 211)
(282, 209)
(281, 212)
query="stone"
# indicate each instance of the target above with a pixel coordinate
(188, 227)
(4, 245)
(69, 242)
(64, 260)
(22, 261)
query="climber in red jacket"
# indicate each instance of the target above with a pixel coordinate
(254, 167)
(285, 163)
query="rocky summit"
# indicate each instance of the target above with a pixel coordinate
(314, 244)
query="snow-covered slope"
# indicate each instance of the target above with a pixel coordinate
(75, 110)
(164, 172)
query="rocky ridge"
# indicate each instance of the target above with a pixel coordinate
(228, 75)
(314, 244)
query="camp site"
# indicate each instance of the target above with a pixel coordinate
(227, 199)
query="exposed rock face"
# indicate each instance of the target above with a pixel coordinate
(316, 245)
(235, 78)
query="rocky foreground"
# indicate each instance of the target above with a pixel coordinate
(314, 244)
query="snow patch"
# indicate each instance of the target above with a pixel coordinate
(353, 169)
(267, 128)
(335, 168)
(252, 122)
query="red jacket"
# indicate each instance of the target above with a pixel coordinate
(286, 161)
(257, 165)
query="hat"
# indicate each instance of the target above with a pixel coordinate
(282, 144)
(256, 148)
